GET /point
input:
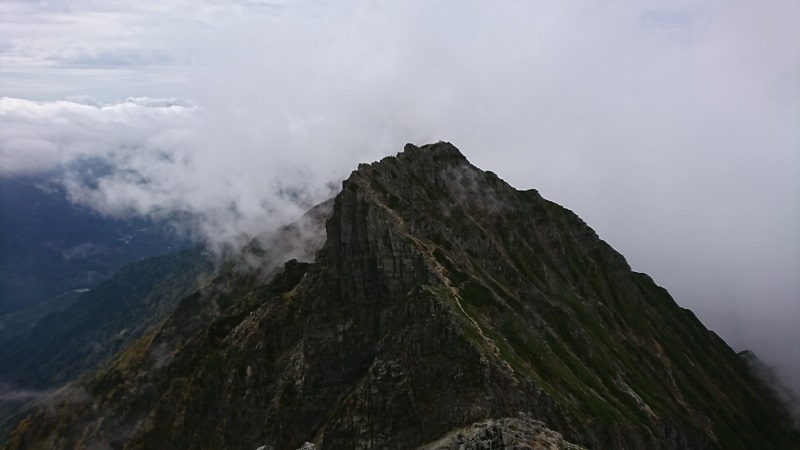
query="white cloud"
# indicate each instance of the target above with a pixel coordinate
(41, 136)
(160, 158)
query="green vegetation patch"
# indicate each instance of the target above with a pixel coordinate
(455, 275)
(477, 294)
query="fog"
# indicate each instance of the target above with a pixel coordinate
(670, 127)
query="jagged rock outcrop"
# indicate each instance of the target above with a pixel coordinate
(511, 433)
(441, 298)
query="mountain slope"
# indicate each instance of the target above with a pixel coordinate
(63, 345)
(102, 321)
(50, 248)
(441, 297)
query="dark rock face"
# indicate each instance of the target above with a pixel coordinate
(441, 298)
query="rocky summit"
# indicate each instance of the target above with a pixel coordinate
(430, 305)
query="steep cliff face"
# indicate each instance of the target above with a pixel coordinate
(439, 298)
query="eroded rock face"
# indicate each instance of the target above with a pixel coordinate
(512, 433)
(441, 297)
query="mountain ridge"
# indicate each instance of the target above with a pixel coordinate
(440, 298)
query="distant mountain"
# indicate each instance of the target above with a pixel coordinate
(68, 343)
(51, 250)
(443, 309)
(102, 321)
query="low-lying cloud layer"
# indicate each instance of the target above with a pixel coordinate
(152, 157)
(669, 126)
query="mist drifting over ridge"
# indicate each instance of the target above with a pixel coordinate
(670, 127)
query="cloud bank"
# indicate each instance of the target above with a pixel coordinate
(151, 157)
(669, 126)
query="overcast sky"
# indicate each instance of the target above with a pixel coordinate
(671, 127)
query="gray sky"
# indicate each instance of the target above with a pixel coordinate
(671, 127)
